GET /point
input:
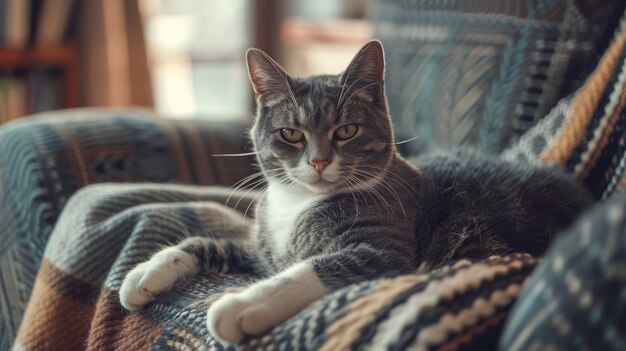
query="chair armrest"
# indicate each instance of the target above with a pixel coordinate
(44, 159)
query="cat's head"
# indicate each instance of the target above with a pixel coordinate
(328, 133)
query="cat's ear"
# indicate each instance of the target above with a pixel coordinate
(269, 80)
(365, 74)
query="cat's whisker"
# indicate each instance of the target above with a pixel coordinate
(237, 155)
(262, 193)
(354, 184)
(246, 180)
(405, 141)
(383, 199)
(356, 203)
(400, 202)
(391, 176)
(243, 182)
(364, 191)
(286, 180)
(388, 186)
(254, 185)
(261, 182)
(379, 196)
(402, 182)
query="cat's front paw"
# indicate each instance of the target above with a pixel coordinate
(236, 315)
(155, 276)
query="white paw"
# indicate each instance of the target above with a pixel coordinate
(265, 304)
(156, 276)
(234, 316)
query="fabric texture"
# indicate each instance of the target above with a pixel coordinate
(478, 74)
(45, 159)
(576, 299)
(108, 229)
(586, 132)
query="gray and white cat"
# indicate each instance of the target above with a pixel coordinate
(342, 205)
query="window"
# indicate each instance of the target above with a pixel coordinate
(197, 52)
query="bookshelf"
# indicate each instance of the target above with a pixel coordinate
(63, 57)
(39, 59)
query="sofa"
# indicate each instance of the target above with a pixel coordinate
(87, 194)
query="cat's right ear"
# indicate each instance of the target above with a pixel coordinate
(269, 80)
(365, 74)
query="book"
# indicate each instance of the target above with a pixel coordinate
(18, 23)
(45, 90)
(4, 97)
(17, 97)
(3, 21)
(35, 11)
(35, 88)
(53, 21)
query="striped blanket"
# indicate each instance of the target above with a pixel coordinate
(575, 299)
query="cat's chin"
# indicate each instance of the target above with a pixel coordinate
(322, 186)
(319, 186)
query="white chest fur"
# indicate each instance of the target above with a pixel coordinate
(284, 208)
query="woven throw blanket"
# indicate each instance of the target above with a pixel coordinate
(586, 132)
(107, 229)
(576, 299)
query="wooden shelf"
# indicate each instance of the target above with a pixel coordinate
(53, 56)
(63, 56)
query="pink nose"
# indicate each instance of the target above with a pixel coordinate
(319, 165)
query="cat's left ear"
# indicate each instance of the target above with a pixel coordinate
(365, 75)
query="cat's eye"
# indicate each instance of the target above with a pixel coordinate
(346, 132)
(290, 135)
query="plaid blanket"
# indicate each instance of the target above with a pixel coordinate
(107, 229)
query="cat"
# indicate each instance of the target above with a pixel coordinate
(342, 206)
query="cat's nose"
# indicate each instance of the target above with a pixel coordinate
(319, 165)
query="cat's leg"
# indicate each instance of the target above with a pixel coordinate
(193, 255)
(264, 304)
(168, 266)
(271, 302)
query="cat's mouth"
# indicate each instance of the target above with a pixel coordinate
(318, 182)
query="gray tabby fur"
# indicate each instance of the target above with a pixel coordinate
(458, 205)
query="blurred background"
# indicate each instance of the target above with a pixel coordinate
(181, 58)
(459, 73)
